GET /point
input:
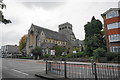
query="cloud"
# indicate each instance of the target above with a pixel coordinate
(10, 37)
(44, 5)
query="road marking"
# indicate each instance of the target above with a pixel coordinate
(19, 72)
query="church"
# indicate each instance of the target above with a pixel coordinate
(46, 38)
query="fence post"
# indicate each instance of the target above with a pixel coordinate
(46, 67)
(65, 71)
(95, 70)
(92, 63)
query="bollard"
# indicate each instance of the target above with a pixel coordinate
(65, 70)
(95, 71)
(46, 67)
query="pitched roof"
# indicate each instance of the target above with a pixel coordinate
(50, 34)
(47, 45)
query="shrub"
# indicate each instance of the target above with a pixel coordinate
(99, 52)
(75, 55)
(46, 56)
(111, 56)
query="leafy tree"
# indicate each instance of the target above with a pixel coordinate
(22, 42)
(58, 50)
(37, 52)
(2, 19)
(93, 36)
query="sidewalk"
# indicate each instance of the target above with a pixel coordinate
(50, 76)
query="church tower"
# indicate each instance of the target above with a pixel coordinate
(66, 29)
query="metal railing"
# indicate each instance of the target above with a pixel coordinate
(92, 70)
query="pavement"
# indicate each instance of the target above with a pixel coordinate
(48, 76)
(51, 76)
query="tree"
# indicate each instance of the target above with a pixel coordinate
(2, 19)
(93, 36)
(22, 42)
(37, 52)
(58, 50)
(99, 52)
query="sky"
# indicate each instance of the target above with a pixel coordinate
(49, 14)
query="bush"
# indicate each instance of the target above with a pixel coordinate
(25, 57)
(46, 56)
(75, 55)
(99, 52)
(112, 56)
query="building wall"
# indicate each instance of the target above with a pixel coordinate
(9, 50)
(36, 38)
(113, 32)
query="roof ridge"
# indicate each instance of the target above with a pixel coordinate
(44, 28)
(50, 33)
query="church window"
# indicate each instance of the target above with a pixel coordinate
(42, 33)
(45, 40)
(59, 28)
(68, 27)
(53, 41)
(65, 27)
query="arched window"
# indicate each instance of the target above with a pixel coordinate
(59, 28)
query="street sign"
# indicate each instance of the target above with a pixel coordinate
(52, 52)
(74, 51)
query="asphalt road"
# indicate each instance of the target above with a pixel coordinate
(21, 69)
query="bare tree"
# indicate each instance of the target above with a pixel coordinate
(2, 19)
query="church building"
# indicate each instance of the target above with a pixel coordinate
(46, 38)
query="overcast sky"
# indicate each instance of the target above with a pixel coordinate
(49, 14)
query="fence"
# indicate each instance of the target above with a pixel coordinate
(94, 71)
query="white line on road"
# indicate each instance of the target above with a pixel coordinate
(19, 72)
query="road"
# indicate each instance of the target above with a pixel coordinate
(21, 68)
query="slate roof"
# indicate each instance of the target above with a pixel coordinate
(50, 34)
(47, 45)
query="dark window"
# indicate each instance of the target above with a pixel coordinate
(68, 27)
(65, 27)
(60, 29)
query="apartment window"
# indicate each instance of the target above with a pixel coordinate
(115, 49)
(112, 14)
(113, 25)
(114, 37)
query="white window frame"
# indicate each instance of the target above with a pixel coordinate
(113, 25)
(112, 14)
(114, 37)
(115, 48)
